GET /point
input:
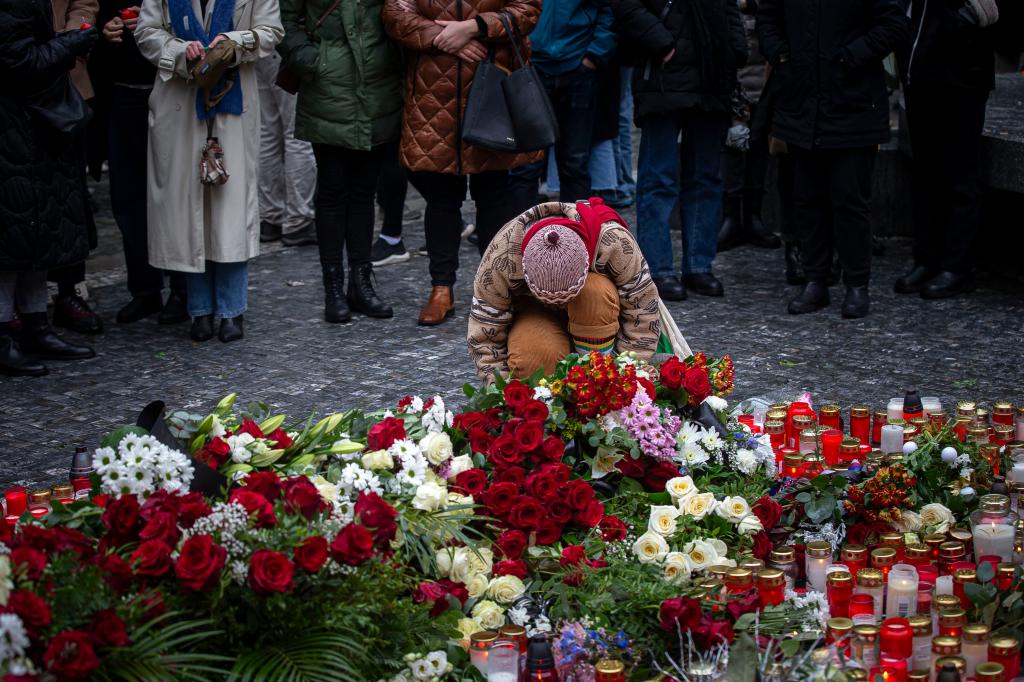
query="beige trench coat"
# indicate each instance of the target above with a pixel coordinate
(190, 223)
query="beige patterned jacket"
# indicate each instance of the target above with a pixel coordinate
(500, 279)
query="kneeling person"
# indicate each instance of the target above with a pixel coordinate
(560, 277)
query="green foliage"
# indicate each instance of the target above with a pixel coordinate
(166, 648)
(314, 656)
(821, 498)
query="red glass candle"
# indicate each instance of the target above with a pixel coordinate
(11, 520)
(952, 622)
(855, 557)
(771, 586)
(862, 609)
(776, 431)
(896, 638)
(960, 428)
(928, 573)
(879, 419)
(883, 673)
(792, 464)
(1002, 413)
(1004, 576)
(860, 423)
(897, 665)
(839, 632)
(1006, 652)
(839, 590)
(830, 442)
(747, 420)
(17, 500)
(962, 576)
(924, 595)
(830, 416)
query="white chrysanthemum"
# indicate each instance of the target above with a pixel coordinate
(711, 441)
(417, 404)
(693, 455)
(542, 393)
(715, 403)
(746, 461)
(690, 434)
(103, 459)
(13, 638)
(403, 449)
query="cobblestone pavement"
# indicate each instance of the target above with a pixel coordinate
(293, 360)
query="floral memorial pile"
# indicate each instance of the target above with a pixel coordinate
(615, 520)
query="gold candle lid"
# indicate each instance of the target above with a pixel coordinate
(831, 410)
(989, 672)
(840, 625)
(860, 411)
(956, 662)
(951, 550)
(1006, 571)
(918, 676)
(39, 496)
(916, 551)
(839, 579)
(1002, 407)
(739, 576)
(975, 632)
(849, 446)
(774, 427)
(808, 436)
(891, 539)
(920, 624)
(609, 666)
(776, 415)
(63, 490)
(883, 556)
(938, 417)
(962, 536)
(792, 460)
(483, 638)
(818, 549)
(783, 555)
(944, 644)
(866, 631)
(943, 602)
(966, 408)
(1003, 645)
(771, 577)
(779, 406)
(965, 575)
(718, 570)
(870, 577)
(754, 565)
(952, 617)
(512, 630)
(1003, 430)
(802, 421)
(880, 415)
(854, 553)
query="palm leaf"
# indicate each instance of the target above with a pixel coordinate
(174, 651)
(319, 656)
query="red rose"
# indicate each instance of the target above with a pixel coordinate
(526, 513)
(302, 497)
(471, 482)
(437, 595)
(577, 494)
(542, 485)
(529, 436)
(697, 385)
(383, 434)
(261, 513)
(505, 451)
(516, 567)
(311, 553)
(613, 529)
(71, 540)
(282, 441)
(250, 427)
(534, 411)
(352, 546)
(517, 394)
(32, 610)
(191, 508)
(768, 511)
(590, 516)
(633, 468)
(159, 501)
(108, 629)
(468, 420)
(762, 545)
(31, 560)
(116, 572)
(648, 385)
(573, 578)
(671, 374)
(457, 590)
(70, 656)
(162, 525)
(511, 474)
(499, 497)
(215, 453)
(659, 474)
(270, 572)
(480, 440)
(266, 483)
(549, 533)
(572, 555)
(738, 606)
(553, 449)
(511, 544)
(121, 517)
(37, 537)
(681, 612)
(713, 632)
(199, 563)
(559, 511)
(597, 563)
(152, 559)
(377, 515)
(493, 418)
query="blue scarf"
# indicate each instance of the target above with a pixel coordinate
(189, 27)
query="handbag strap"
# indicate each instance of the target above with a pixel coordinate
(512, 34)
(323, 17)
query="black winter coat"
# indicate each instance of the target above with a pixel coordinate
(709, 43)
(947, 50)
(828, 85)
(42, 187)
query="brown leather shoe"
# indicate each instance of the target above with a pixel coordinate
(439, 307)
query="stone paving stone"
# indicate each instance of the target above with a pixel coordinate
(295, 361)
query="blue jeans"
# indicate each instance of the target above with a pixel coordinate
(223, 289)
(686, 170)
(602, 168)
(624, 142)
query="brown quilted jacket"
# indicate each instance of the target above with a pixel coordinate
(438, 83)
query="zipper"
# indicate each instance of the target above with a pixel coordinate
(917, 38)
(458, 101)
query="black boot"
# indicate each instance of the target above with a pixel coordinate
(913, 281)
(202, 328)
(140, 307)
(175, 310)
(856, 303)
(758, 233)
(361, 296)
(38, 338)
(814, 296)
(794, 269)
(231, 328)
(335, 307)
(13, 362)
(670, 289)
(731, 233)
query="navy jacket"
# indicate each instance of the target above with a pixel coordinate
(570, 30)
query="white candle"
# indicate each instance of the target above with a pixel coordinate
(901, 597)
(816, 573)
(943, 585)
(931, 404)
(1019, 433)
(895, 408)
(892, 438)
(993, 539)
(1017, 473)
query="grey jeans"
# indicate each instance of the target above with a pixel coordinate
(26, 289)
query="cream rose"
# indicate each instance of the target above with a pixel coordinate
(461, 569)
(650, 547)
(663, 519)
(436, 447)
(328, 491)
(733, 509)
(700, 505)
(458, 465)
(721, 549)
(476, 585)
(936, 517)
(506, 589)
(430, 497)
(749, 525)
(489, 615)
(378, 459)
(909, 522)
(680, 488)
(677, 567)
(701, 554)
(481, 561)
(444, 559)
(467, 627)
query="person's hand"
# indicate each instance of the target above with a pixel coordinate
(406, 5)
(80, 41)
(113, 29)
(474, 51)
(455, 35)
(667, 58)
(589, 64)
(194, 50)
(132, 20)
(219, 37)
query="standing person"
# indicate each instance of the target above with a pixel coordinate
(626, 189)
(572, 41)
(208, 232)
(444, 44)
(689, 52)
(832, 112)
(392, 187)
(949, 69)
(287, 166)
(350, 108)
(125, 79)
(43, 207)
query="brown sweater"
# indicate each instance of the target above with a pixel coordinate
(500, 279)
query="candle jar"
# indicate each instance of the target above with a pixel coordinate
(718, 572)
(1005, 574)
(974, 645)
(771, 586)
(831, 442)
(839, 631)
(918, 675)
(938, 419)
(930, 405)
(16, 500)
(943, 647)
(81, 469)
(964, 537)
(951, 665)
(609, 670)
(893, 540)
(839, 588)
(503, 661)
(1002, 412)
(892, 438)
(921, 627)
(849, 450)
(894, 669)
(896, 639)
(812, 465)
(1006, 652)
(966, 408)
(1018, 424)
(883, 558)
(862, 609)
(870, 581)
(479, 646)
(865, 643)
(860, 423)
(924, 596)
(1001, 435)
(879, 418)
(808, 442)
(792, 465)
(784, 559)
(992, 527)
(753, 564)
(933, 542)
(962, 576)
(977, 435)
(895, 409)
(901, 596)
(738, 581)
(39, 503)
(916, 555)
(940, 603)
(818, 554)
(950, 552)
(799, 424)
(990, 672)
(952, 621)
(829, 416)
(776, 431)
(855, 557)
(63, 493)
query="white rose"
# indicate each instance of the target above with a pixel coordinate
(328, 491)
(437, 448)
(701, 553)
(733, 509)
(468, 626)
(456, 500)
(700, 505)
(749, 525)
(476, 585)
(663, 519)
(937, 517)
(677, 567)
(680, 488)
(430, 497)
(909, 522)
(378, 459)
(506, 589)
(721, 549)
(489, 615)
(728, 563)
(481, 561)
(715, 403)
(461, 569)
(458, 465)
(438, 661)
(444, 560)
(650, 547)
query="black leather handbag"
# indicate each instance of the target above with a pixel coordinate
(487, 122)
(59, 106)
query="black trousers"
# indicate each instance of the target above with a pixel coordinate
(128, 137)
(789, 229)
(945, 136)
(442, 220)
(834, 183)
(346, 180)
(391, 189)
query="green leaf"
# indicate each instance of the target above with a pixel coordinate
(742, 660)
(118, 434)
(804, 497)
(978, 594)
(985, 572)
(789, 646)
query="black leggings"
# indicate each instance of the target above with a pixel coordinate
(391, 189)
(345, 183)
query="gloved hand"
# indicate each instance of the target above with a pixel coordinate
(81, 41)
